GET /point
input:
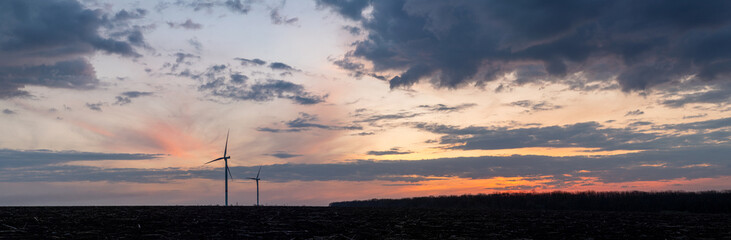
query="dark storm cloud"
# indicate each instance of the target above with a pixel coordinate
(586, 135)
(222, 81)
(454, 43)
(10, 158)
(255, 61)
(392, 151)
(45, 43)
(8, 111)
(126, 97)
(188, 24)
(535, 106)
(686, 163)
(305, 122)
(283, 155)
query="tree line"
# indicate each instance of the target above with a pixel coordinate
(706, 201)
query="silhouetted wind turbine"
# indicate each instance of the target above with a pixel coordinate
(226, 171)
(257, 185)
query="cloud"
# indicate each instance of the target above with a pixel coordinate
(8, 111)
(181, 58)
(392, 151)
(305, 122)
(281, 66)
(373, 118)
(695, 116)
(535, 106)
(278, 19)
(682, 163)
(634, 113)
(356, 69)
(235, 6)
(122, 100)
(188, 24)
(10, 158)
(640, 123)
(454, 43)
(283, 155)
(364, 133)
(255, 61)
(127, 97)
(716, 94)
(238, 6)
(95, 106)
(355, 31)
(46, 43)
(513, 188)
(72, 74)
(125, 15)
(586, 135)
(221, 81)
(702, 125)
(444, 108)
(351, 9)
(380, 117)
(275, 130)
(195, 43)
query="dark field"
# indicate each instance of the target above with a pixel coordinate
(351, 223)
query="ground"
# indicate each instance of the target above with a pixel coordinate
(215, 222)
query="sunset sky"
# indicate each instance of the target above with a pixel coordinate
(122, 102)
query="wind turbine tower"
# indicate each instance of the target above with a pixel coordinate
(227, 172)
(257, 185)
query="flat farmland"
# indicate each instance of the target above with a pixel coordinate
(215, 222)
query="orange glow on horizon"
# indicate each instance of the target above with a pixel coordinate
(433, 153)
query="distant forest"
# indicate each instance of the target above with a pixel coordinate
(703, 202)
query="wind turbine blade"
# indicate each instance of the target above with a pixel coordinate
(217, 159)
(257, 174)
(252, 178)
(229, 173)
(226, 147)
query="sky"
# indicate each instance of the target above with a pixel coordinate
(122, 102)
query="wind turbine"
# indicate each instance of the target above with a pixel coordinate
(226, 171)
(257, 185)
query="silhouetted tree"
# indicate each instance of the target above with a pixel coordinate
(707, 201)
